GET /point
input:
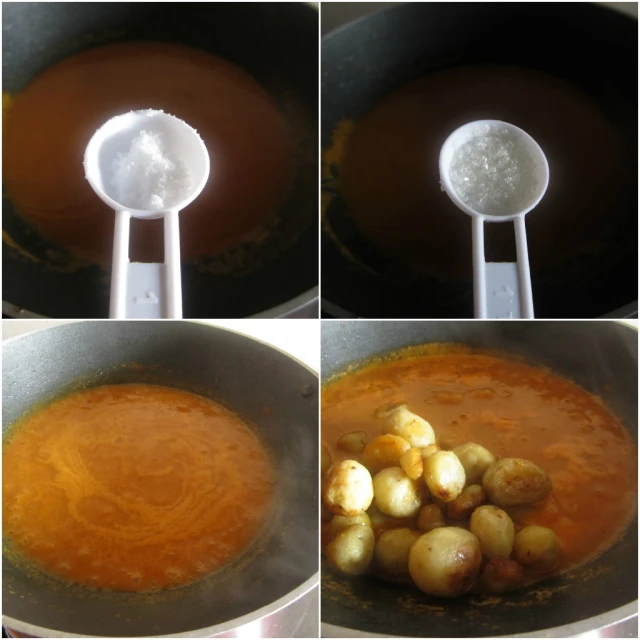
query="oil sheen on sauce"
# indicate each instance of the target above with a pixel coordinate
(51, 121)
(133, 487)
(514, 410)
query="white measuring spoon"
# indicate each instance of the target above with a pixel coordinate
(145, 290)
(501, 289)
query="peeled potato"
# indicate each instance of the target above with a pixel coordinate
(399, 421)
(502, 574)
(445, 561)
(392, 549)
(352, 550)
(325, 459)
(396, 494)
(511, 482)
(475, 460)
(347, 488)
(430, 517)
(353, 442)
(494, 528)
(383, 452)
(444, 475)
(537, 547)
(466, 503)
(341, 523)
(411, 463)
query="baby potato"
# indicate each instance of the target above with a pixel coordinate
(475, 459)
(464, 505)
(445, 561)
(383, 452)
(325, 459)
(340, 523)
(430, 517)
(411, 463)
(392, 549)
(352, 550)
(381, 522)
(494, 528)
(353, 442)
(444, 475)
(502, 574)
(429, 450)
(399, 421)
(396, 494)
(537, 547)
(512, 482)
(347, 488)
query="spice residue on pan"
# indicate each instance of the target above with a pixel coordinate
(133, 487)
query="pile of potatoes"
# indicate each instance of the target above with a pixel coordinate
(412, 511)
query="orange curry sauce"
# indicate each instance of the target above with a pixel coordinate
(133, 487)
(514, 410)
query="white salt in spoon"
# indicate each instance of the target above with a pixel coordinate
(507, 173)
(146, 290)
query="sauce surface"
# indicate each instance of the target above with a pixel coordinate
(514, 410)
(133, 487)
(50, 122)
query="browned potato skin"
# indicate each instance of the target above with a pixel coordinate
(430, 517)
(512, 482)
(464, 505)
(383, 452)
(353, 442)
(347, 488)
(325, 459)
(411, 463)
(445, 561)
(502, 574)
(444, 475)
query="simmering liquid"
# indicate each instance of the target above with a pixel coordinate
(516, 411)
(133, 487)
(52, 120)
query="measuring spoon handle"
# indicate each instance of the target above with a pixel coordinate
(501, 289)
(146, 289)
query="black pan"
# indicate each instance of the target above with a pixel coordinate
(601, 593)
(274, 42)
(241, 373)
(593, 48)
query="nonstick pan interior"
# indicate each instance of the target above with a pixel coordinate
(276, 43)
(592, 48)
(267, 388)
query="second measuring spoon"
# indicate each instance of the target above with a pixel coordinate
(501, 289)
(145, 290)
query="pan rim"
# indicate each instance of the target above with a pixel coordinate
(596, 623)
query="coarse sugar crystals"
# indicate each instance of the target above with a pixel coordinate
(148, 177)
(494, 173)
